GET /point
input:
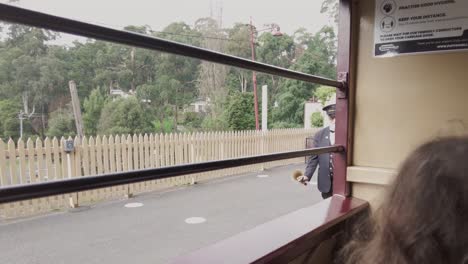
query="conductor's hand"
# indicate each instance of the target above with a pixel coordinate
(300, 177)
(303, 179)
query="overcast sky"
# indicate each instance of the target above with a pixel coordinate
(289, 15)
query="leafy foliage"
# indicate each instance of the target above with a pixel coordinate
(93, 106)
(316, 119)
(166, 126)
(193, 121)
(324, 93)
(123, 116)
(61, 124)
(317, 59)
(239, 112)
(9, 122)
(158, 87)
(330, 7)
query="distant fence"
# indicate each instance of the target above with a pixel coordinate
(46, 160)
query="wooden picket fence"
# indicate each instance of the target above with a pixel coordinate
(46, 160)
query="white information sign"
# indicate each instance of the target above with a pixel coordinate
(420, 26)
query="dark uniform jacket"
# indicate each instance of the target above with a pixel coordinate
(325, 173)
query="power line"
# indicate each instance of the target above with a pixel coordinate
(166, 33)
(159, 32)
(162, 32)
(195, 36)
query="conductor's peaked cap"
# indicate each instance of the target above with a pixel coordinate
(330, 105)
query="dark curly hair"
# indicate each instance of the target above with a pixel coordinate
(424, 218)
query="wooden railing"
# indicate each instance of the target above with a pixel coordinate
(46, 160)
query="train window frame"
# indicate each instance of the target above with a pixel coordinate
(14, 14)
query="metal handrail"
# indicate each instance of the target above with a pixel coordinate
(19, 15)
(38, 190)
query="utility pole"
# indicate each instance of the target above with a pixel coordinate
(264, 108)
(132, 59)
(254, 75)
(76, 109)
(25, 115)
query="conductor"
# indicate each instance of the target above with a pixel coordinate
(323, 138)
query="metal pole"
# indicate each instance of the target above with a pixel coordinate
(254, 76)
(36, 190)
(264, 120)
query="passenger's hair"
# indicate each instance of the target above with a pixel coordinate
(424, 218)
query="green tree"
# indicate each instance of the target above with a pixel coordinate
(29, 39)
(142, 62)
(316, 119)
(123, 116)
(35, 73)
(98, 63)
(93, 106)
(193, 121)
(52, 82)
(211, 81)
(301, 38)
(160, 96)
(324, 93)
(211, 123)
(240, 112)
(61, 123)
(239, 44)
(238, 79)
(84, 66)
(9, 122)
(178, 68)
(167, 126)
(31, 70)
(317, 59)
(290, 105)
(330, 7)
(278, 51)
(112, 67)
